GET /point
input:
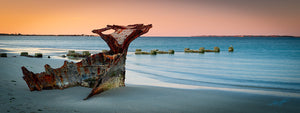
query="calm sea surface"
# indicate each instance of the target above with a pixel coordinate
(258, 63)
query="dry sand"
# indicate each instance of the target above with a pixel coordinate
(136, 97)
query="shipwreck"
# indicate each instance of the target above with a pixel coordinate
(102, 71)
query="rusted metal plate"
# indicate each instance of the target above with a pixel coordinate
(101, 71)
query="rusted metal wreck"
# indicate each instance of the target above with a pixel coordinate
(101, 71)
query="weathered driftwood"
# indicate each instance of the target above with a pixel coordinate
(101, 71)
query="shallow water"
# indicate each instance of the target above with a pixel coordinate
(257, 63)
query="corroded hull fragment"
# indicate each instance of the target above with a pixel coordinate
(101, 71)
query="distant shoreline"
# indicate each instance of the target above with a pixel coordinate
(245, 36)
(6, 34)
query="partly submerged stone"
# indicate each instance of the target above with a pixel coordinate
(72, 53)
(142, 53)
(39, 55)
(24, 54)
(153, 52)
(188, 50)
(138, 50)
(230, 49)
(3, 54)
(171, 51)
(101, 71)
(104, 51)
(202, 48)
(216, 49)
(86, 53)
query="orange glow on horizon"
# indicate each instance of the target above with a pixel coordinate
(169, 17)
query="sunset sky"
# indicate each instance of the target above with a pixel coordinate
(169, 17)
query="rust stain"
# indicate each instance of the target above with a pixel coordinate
(98, 71)
(86, 70)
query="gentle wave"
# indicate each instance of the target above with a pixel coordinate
(257, 63)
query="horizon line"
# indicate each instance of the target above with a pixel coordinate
(20, 34)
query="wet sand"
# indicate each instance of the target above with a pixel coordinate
(15, 96)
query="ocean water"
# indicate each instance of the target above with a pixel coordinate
(257, 63)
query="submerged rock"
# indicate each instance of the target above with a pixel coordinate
(86, 53)
(104, 51)
(39, 55)
(137, 50)
(201, 48)
(216, 49)
(153, 52)
(171, 51)
(3, 54)
(24, 54)
(72, 53)
(230, 49)
(188, 50)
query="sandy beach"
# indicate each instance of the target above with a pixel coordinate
(171, 56)
(136, 97)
